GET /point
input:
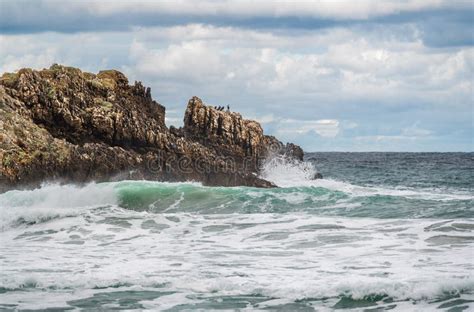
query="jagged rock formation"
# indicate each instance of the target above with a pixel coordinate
(231, 135)
(63, 124)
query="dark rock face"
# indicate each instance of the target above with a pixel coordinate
(317, 175)
(63, 124)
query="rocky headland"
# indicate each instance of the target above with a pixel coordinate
(64, 125)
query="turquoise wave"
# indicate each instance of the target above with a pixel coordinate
(188, 197)
(323, 198)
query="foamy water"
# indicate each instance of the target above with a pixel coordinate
(322, 245)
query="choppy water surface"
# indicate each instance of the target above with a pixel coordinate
(380, 232)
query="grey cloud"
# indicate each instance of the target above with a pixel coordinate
(447, 25)
(373, 71)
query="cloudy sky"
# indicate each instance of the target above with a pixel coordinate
(328, 75)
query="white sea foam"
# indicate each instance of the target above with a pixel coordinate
(60, 196)
(285, 256)
(287, 173)
(356, 190)
(52, 201)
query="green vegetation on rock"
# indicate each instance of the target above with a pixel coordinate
(103, 103)
(9, 79)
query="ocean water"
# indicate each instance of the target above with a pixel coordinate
(381, 231)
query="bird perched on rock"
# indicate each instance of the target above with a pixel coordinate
(228, 108)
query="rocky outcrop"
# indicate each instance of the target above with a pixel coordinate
(231, 135)
(63, 124)
(225, 132)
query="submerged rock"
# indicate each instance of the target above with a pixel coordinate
(62, 124)
(317, 175)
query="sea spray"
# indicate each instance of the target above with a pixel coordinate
(286, 172)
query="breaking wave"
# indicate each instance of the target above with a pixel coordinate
(298, 192)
